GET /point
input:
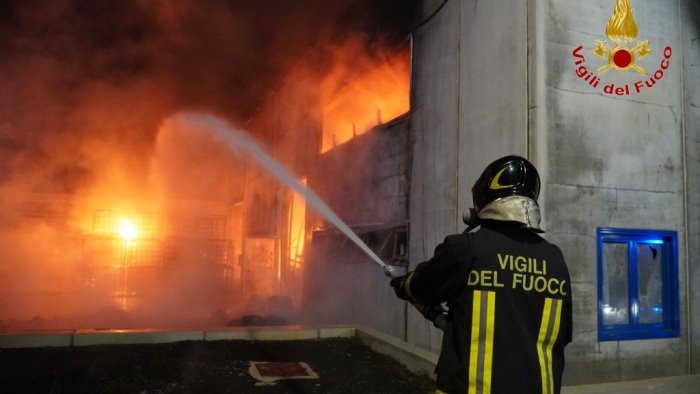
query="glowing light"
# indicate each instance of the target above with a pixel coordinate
(127, 230)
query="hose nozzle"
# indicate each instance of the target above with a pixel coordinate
(390, 271)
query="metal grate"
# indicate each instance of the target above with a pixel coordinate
(200, 227)
(115, 252)
(209, 227)
(148, 224)
(206, 251)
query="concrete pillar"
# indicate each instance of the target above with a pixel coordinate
(690, 36)
(469, 107)
(434, 123)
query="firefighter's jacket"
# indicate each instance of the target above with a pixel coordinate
(509, 297)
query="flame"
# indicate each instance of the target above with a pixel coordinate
(622, 26)
(376, 97)
(127, 230)
(297, 228)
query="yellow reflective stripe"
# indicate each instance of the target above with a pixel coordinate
(491, 312)
(437, 391)
(407, 286)
(474, 348)
(549, 331)
(481, 345)
(550, 344)
(540, 340)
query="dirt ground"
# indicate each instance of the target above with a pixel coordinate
(343, 366)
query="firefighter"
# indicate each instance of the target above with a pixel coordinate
(507, 292)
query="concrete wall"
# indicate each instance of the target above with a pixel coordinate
(468, 107)
(609, 161)
(690, 36)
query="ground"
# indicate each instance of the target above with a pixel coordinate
(344, 365)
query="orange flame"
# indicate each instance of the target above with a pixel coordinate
(376, 97)
(297, 228)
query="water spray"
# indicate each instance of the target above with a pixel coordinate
(241, 142)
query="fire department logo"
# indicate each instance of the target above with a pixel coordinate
(622, 30)
(621, 55)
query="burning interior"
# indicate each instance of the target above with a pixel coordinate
(114, 218)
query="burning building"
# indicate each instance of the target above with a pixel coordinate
(114, 216)
(343, 128)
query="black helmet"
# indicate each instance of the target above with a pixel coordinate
(507, 176)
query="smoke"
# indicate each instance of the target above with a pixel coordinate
(80, 77)
(84, 88)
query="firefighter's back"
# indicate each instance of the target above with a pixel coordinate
(511, 323)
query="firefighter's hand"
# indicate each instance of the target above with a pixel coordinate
(436, 314)
(398, 285)
(431, 312)
(441, 321)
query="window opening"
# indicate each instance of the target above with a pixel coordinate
(637, 284)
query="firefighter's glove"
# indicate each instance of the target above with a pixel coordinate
(399, 287)
(435, 313)
(432, 312)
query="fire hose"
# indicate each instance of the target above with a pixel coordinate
(435, 313)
